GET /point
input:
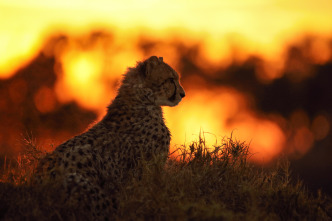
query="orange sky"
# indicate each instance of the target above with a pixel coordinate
(257, 25)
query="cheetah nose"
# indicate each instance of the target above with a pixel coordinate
(182, 94)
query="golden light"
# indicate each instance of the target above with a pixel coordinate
(259, 26)
(320, 50)
(216, 113)
(265, 137)
(81, 80)
(192, 117)
(16, 50)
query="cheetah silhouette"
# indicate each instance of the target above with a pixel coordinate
(105, 157)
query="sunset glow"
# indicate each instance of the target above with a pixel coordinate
(254, 26)
(89, 70)
(82, 72)
(192, 118)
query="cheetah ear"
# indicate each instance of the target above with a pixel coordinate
(151, 64)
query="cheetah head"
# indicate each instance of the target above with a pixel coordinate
(157, 81)
(163, 81)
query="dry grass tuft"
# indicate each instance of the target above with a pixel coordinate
(201, 183)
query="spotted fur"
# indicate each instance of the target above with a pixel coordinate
(93, 165)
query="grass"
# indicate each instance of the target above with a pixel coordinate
(201, 183)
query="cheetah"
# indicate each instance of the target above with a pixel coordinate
(109, 153)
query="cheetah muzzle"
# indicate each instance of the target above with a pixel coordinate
(91, 166)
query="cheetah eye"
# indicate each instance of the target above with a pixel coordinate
(168, 80)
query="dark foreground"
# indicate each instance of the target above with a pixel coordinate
(201, 184)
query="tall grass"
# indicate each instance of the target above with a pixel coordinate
(18, 170)
(201, 183)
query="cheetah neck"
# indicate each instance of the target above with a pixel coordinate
(131, 102)
(131, 107)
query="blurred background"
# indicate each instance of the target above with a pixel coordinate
(259, 71)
